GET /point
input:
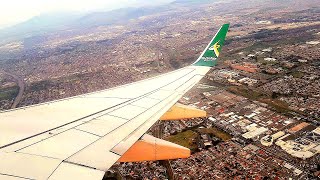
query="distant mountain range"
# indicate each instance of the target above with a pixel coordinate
(190, 1)
(37, 25)
(116, 16)
(47, 23)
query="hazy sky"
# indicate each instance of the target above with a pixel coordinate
(15, 11)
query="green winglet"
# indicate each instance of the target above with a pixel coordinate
(211, 53)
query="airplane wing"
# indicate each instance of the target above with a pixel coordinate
(83, 136)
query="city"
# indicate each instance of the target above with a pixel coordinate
(262, 99)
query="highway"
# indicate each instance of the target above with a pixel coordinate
(21, 85)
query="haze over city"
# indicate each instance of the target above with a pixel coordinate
(16, 11)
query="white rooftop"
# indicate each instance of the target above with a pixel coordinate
(254, 133)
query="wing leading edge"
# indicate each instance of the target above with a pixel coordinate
(83, 136)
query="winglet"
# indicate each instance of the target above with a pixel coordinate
(210, 55)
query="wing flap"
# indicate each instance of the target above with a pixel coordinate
(62, 145)
(73, 171)
(27, 166)
(95, 156)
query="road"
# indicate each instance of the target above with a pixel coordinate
(21, 85)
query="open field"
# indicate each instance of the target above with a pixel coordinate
(186, 139)
(9, 93)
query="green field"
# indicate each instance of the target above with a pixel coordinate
(187, 138)
(246, 92)
(297, 74)
(278, 105)
(184, 139)
(217, 133)
(9, 93)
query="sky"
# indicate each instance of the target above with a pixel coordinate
(15, 11)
